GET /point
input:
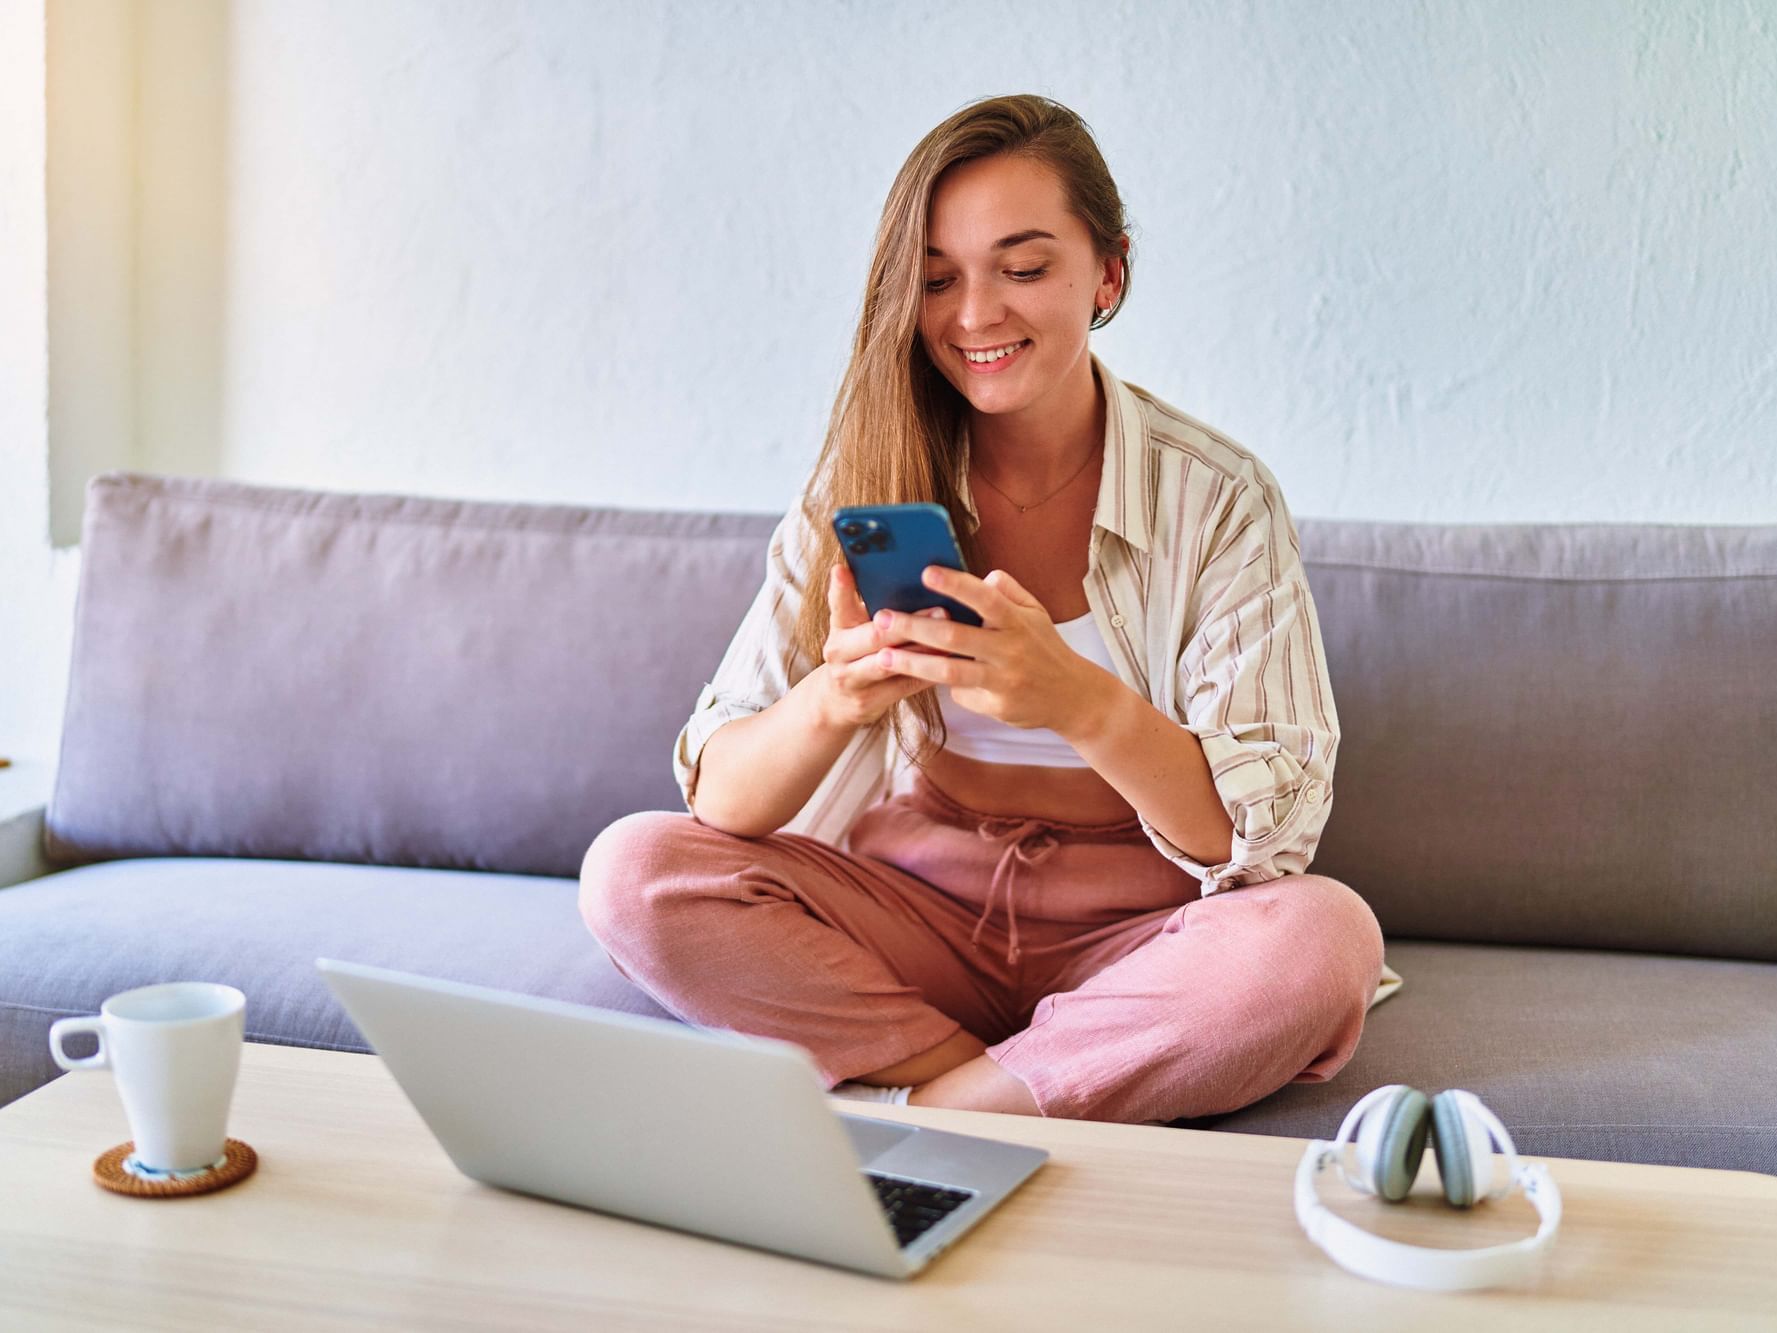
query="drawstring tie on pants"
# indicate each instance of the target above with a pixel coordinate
(1027, 841)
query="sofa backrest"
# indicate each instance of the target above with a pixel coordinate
(280, 673)
(1551, 734)
(1554, 733)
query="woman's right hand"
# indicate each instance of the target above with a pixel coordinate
(858, 689)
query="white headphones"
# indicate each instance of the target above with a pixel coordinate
(1393, 1124)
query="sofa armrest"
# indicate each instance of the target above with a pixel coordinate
(24, 797)
(21, 847)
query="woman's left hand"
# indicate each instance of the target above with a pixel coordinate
(1016, 667)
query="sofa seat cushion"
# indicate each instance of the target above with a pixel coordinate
(1582, 1053)
(69, 940)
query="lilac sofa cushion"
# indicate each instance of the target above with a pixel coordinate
(332, 677)
(69, 940)
(1554, 734)
(1582, 1053)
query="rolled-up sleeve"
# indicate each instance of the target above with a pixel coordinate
(762, 661)
(1253, 688)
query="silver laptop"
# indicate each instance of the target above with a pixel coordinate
(700, 1130)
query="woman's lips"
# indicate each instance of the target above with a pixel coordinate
(993, 367)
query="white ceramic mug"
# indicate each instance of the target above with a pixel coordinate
(175, 1050)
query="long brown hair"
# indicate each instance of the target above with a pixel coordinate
(892, 437)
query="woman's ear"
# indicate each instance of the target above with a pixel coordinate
(1110, 286)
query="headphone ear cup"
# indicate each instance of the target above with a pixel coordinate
(1389, 1155)
(1463, 1149)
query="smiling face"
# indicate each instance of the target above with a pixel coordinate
(1012, 284)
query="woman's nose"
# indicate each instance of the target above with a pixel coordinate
(978, 307)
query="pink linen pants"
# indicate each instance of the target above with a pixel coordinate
(1087, 961)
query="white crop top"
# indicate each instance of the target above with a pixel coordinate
(994, 742)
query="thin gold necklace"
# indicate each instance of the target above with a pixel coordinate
(1090, 455)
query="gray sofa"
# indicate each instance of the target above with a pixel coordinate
(385, 729)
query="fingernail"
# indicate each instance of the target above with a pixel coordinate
(884, 619)
(939, 613)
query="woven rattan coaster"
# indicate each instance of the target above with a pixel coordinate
(117, 1173)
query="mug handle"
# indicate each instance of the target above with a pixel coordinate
(62, 1027)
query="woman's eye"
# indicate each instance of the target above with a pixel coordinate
(1022, 274)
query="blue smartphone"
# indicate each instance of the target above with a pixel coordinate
(887, 548)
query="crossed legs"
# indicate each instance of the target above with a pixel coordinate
(1192, 1010)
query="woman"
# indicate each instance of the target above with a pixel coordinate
(1051, 865)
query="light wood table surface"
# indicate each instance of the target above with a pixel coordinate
(357, 1218)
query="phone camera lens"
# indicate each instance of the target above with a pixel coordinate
(851, 527)
(879, 540)
(858, 548)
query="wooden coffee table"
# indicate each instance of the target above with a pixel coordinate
(356, 1217)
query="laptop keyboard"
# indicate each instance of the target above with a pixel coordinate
(913, 1208)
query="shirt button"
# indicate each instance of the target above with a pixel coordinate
(1312, 795)
(1117, 622)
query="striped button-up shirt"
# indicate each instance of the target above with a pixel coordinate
(1195, 580)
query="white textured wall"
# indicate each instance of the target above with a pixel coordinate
(1509, 261)
(1496, 262)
